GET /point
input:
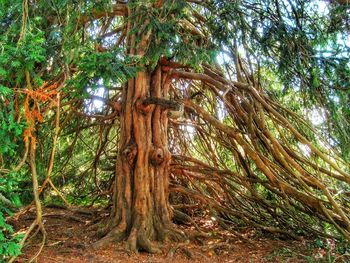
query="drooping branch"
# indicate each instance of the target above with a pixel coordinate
(118, 9)
(300, 183)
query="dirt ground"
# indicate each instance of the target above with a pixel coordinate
(69, 240)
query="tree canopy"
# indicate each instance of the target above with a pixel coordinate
(161, 110)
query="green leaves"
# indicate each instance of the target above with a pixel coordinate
(112, 67)
(10, 132)
(305, 43)
(5, 91)
(9, 128)
(172, 34)
(9, 244)
(16, 57)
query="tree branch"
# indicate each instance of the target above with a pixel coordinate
(167, 104)
(117, 10)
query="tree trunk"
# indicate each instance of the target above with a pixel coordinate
(141, 210)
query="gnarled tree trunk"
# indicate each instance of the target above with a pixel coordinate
(141, 210)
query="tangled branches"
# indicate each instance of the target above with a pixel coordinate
(250, 167)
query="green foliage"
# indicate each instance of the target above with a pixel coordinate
(287, 40)
(10, 140)
(304, 44)
(9, 188)
(10, 130)
(10, 135)
(18, 57)
(170, 37)
(9, 244)
(111, 67)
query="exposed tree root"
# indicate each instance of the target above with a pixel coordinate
(115, 235)
(137, 239)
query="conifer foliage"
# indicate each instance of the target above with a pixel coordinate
(167, 109)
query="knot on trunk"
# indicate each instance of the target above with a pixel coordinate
(129, 153)
(157, 156)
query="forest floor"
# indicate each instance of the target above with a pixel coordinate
(69, 240)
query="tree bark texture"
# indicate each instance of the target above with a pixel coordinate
(141, 211)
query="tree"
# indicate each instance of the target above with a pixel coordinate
(248, 158)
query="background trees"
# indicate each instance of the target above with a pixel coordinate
(242, 71)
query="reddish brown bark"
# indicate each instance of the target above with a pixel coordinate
(141, 210)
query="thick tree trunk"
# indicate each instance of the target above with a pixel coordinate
(141, 211)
